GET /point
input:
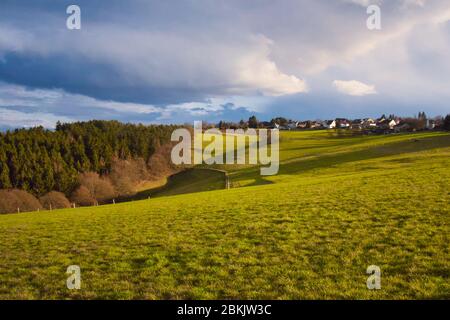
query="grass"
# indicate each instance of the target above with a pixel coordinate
(337, 206)
(189, 181)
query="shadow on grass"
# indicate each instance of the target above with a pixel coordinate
(187, 181)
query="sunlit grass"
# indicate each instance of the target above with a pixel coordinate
(337, 206)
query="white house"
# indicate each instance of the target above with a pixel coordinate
(330, 124)
(392, 123)
(431, 124)
(343, 123)
(369, 122)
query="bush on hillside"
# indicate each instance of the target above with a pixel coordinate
(100, 188)
(160, 164)
(54, 200)
(126, 174)
(82, 197)
(13, 199)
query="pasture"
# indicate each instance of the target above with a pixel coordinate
(337, 206)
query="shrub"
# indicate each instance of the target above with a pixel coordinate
(54, 200)
(100, 189)
(126, 174)
(13, 199)
(82, 197)
(160, 164)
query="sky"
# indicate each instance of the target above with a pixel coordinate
(180, 61)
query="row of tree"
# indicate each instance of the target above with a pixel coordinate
(252, 123)
(39, 161)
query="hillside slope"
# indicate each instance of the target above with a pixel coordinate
(337, 207)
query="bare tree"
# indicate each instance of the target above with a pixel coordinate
(54, 200)
(100, 188)
(15, 200)
(82, 197)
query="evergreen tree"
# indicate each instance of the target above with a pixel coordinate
(39, 160)
(253, 122)
(5, 183)
(447, 123)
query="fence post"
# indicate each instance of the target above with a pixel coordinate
(114, 201)
(18, 210)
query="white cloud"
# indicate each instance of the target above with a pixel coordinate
(402, 3)
(197, 109)
(240, 64)
(14, 119)
(354, 88)
(22, 107)
(364, 3)
(20, 96)
(237, 64)
(256, 72)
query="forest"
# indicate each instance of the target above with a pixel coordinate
(40, 161)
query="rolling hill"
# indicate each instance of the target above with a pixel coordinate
(337, 206)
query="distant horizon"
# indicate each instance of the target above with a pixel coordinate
(11, 128)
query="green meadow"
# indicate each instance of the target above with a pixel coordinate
(337, 206)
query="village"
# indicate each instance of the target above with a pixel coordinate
(382, 125)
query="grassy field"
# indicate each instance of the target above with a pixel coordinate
(337, 206)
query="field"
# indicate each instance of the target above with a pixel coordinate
(188, 181)
(337, 206)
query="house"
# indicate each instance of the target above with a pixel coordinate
(392, 124)
(302, 125)
(381, 123)
(330, 124)
(280, 127)
(383, 126)
(382, 119)
(402, 127)
(357, 124)
(292, 125)
(369, 123)
(431, 124)
(342, 123)
(316, 125)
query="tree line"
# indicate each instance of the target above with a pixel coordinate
(38, 161)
